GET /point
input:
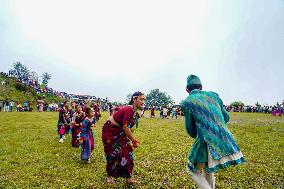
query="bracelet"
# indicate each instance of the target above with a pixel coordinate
(135, 141)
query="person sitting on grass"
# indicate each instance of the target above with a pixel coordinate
(214, 147)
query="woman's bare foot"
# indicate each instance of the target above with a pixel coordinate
(109, 180)
(130, 181)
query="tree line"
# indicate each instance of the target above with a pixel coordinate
(19, 70)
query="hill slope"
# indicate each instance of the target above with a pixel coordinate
(19, 92)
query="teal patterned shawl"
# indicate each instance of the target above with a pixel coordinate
(205, 120)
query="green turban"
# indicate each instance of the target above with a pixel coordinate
(193, 80)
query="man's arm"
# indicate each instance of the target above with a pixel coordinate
(225, 114)
(223, 109)
(190, 125)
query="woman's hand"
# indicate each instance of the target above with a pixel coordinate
(135, 143)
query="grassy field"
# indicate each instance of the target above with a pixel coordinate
(31, 157)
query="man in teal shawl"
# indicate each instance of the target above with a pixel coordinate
(214, 147)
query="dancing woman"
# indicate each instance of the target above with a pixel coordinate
(117, 137)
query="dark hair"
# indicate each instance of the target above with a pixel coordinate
(88, 110)
(136, 94)
(77, 106)
(194, 86)
(65, 102)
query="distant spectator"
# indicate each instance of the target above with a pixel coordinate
(6, 106)
(19, 107)
(152, 111)
(174, 112)
(110, 107)
(11, 105)
(3, 83)
(280, 111)
(1, 104)
(165, 113)
(274, 111)
(40, 105)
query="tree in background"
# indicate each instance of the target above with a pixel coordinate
(45, 77)
(237, 104)
(128, 98)
(116, 103)
(20, 70)
(157, 98)
(34, 76)
(257, 105)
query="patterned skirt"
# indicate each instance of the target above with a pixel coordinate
(87, 146)
(118, 151)
(212, 165)
(75, 133)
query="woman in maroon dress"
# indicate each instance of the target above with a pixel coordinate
(117, 137)
(97, 109)
(77, 120)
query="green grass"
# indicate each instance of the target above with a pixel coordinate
(21, 93)
(31, 157)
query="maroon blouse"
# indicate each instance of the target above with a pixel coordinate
(125, 116)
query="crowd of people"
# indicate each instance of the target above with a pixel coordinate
(175, 111)
(10, 106)
(35, 84)
(165, 112)
(276, 109)
(105, 105)
(44, 89)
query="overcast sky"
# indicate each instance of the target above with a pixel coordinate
(113, 48)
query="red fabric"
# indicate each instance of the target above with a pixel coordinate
(152, 112)
(118, 151)
(76, 129)
(75, 133)
(124, 116)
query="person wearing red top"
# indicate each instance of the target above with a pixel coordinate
(63, 121)
(77, 120)
(97, 110)
(117, 137)
(152, 112)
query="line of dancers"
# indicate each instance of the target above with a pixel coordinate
(205, 120)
